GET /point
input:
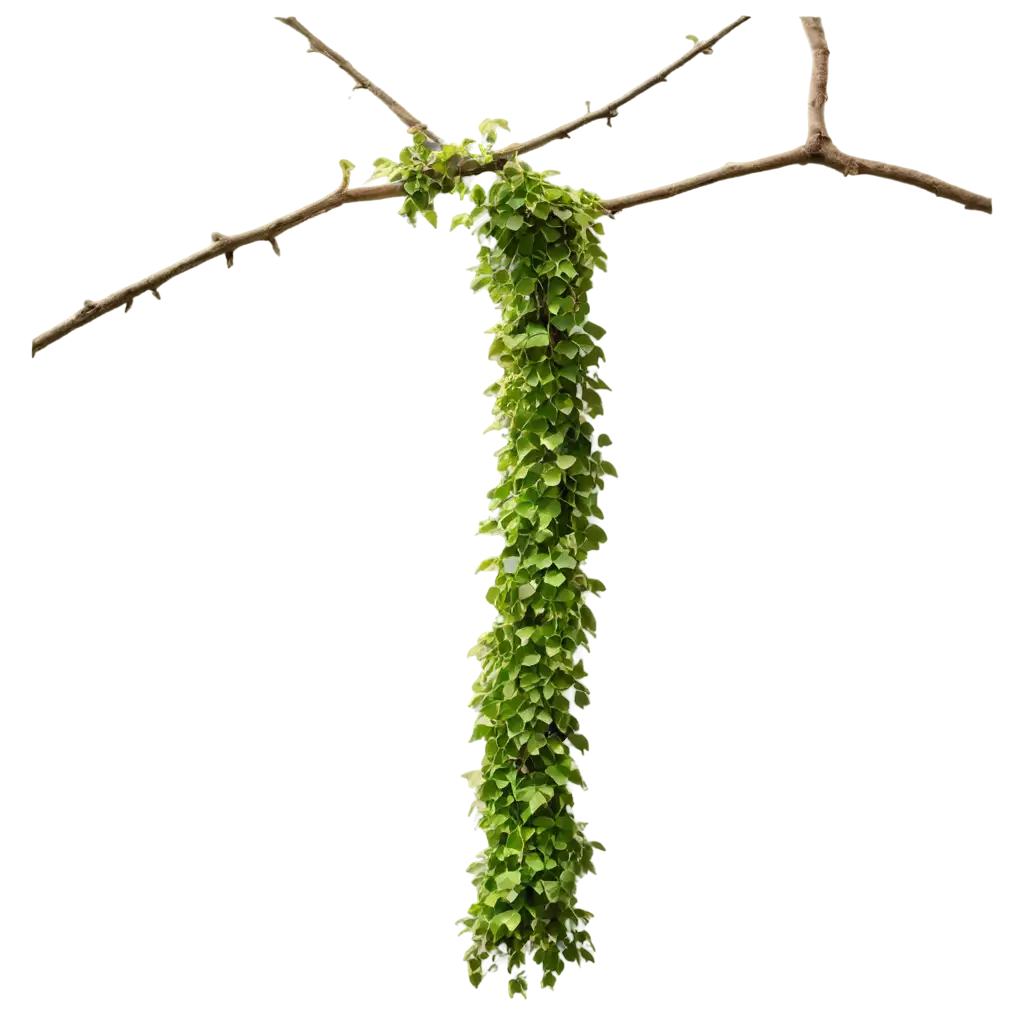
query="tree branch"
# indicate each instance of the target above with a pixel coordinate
(610, 110)
(818, 149)
(766, 163)
(816, 133)
(223, 245)
(849, 165)
(227, 245)
(362, 82)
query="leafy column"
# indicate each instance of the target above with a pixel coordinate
(541, 245)
(541, 248)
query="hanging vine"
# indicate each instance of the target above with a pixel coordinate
(541, 245)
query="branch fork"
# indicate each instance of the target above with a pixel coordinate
(818, 148)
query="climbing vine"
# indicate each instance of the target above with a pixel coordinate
(541, 245)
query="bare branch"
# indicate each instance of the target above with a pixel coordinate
(610, 110)
(223, 245)
(767, 163)
(816, 133)
(227, 245)
(362, 82)
(850, 165)
(818, 149)
(821, 148)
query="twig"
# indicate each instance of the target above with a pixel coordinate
(817, 84)
(610, 110)
(818, 149)
(223, 245)
(767, 163)
(840, 161)
(362, 82)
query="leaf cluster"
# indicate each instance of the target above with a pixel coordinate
(541, 245)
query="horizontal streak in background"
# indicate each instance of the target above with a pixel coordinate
(808, 713)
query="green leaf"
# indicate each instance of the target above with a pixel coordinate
(509, 918)
(515, 222)
(604, 440)
(537, 800)
(565, 461)
(508, 879)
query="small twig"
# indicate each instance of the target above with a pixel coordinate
(609, 110)
(362, 82)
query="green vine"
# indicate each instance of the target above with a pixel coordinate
(541, 245)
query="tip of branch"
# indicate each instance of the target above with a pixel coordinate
(128, 304)
(274, 246)
(155, 292)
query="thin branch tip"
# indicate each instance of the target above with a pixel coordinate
(319, 46)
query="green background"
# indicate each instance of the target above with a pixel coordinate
(238, 524)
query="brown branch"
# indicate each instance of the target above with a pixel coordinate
(223, 245)
(227, 245)
(818, 149)
(767, 163)
(816, 133)
(840, 161)
(362, 82)
(610, 110)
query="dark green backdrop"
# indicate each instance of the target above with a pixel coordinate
(236, 579)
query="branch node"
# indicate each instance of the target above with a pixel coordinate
(588, 105)
(155, 292)
(613, 112)
(708, 50)
(88, 303)
(128, 304)
(273, 245)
